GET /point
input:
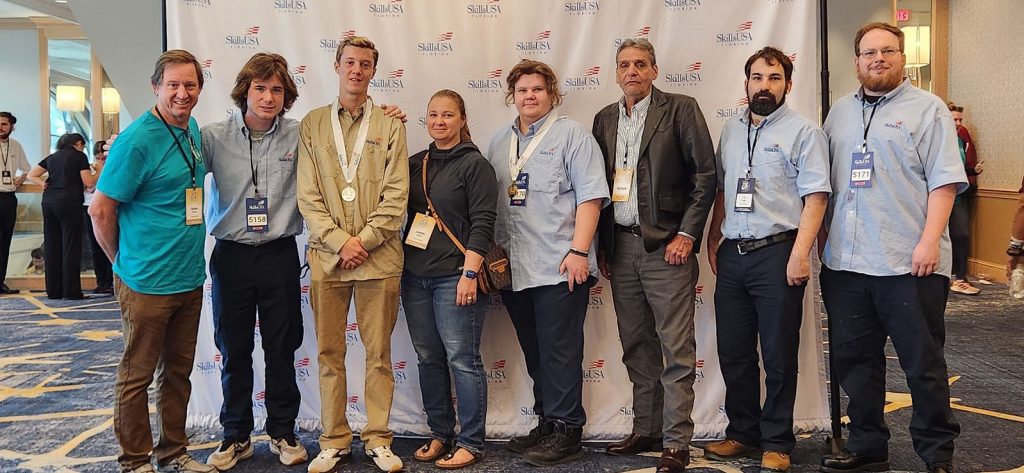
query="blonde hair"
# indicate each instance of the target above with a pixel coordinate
(461, 104)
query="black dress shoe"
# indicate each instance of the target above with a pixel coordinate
(7, 290)
(673, 460)
(634, 444)
(564, 445)
(850, 462)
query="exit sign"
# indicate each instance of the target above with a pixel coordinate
(902, 15)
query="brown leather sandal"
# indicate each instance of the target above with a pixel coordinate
(474, 458)
(432, 450)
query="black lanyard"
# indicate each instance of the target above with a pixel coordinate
(191, 163)
(867, 126)
(7, 154)
(752, 146)
(253, 165)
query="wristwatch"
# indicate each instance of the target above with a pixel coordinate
(470, 274)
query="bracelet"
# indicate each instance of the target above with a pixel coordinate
(1016, 247)
(574, 251)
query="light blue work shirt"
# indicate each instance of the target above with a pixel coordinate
(566, 169)
(627, 152)
(146, 173)
(874, 230)
(790, 161)
(226, 148)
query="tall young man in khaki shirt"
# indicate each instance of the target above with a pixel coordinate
(353, 198)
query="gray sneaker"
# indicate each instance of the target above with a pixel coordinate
(186, 464)
(229, 453)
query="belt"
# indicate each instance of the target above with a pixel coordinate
(747, 246)
(632, 229)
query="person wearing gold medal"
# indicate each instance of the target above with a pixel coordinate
(552, 187)
(353, 184)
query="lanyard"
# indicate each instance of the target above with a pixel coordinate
(349, 167)
(867, 126)
(191, 163)
(7, 154)
(752, 146)
(516, 163)
(254, 165)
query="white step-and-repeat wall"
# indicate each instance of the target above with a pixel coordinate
(469, 46)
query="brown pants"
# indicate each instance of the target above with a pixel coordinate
(159, 337)
(376, 313)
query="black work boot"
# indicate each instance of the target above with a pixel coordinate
(562, 446)
(523, 443)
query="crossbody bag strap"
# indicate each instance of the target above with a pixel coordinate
(433, 211)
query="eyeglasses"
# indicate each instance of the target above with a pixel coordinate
(886, 53)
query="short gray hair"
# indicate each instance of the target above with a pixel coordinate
(639, 43)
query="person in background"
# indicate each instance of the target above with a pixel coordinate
(100, 263)
(69, 174)
(1015, 251)
(439, 286)
(14, 160)
(960, 217)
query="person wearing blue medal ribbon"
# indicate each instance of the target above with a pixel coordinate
(887, 257)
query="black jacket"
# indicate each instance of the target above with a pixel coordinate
(675, 175)
(464, 190)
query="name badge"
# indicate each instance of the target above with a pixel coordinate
(744, 195)
(860, 169)
(194, 206)
(256, 215)
(522, 187)
(420, 231)
(622, 184)
(7, 179)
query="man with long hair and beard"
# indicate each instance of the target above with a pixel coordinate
(885, 270)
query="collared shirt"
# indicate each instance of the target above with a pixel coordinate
(790, 161)
(382, 192)
(226, 150)
(874, 230)
(15, 160)
(566, 169)
(627, 151)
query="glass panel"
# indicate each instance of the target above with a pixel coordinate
(914, 17)
(70, 107)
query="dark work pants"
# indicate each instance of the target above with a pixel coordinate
(247, 278)
(8, 215)
(960, 236)
(753, 302)
(910, 310)
(100, 264)
(62, 243)
(549, 326)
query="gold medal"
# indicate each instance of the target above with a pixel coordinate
(512, 191)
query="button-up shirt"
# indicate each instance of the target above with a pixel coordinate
(627, 151)
(790, 161)
(226, 148)
(566, 170)
(13, 159)
(874, 230)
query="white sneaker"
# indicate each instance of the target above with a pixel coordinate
(330, 460)
(229, 453)
(186, 464)
(385, 459)
(147, 468)
(289, 450)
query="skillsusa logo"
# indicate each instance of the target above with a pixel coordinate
(741, 37)
(298, 74)
(398, 370)
(487, 9)
(698, 296)
(259, 404)
(539, 44)
(682, 5)
(496, 375)
(490, 83)
(331, 44)
(352, 406)
(207, 66)
(352, 334)
(589, 80)
(699, 370)
(596, 300)
(582, 8)
(290, 6)
(440, 46)
(249, 39)
(688, 78)
(391, 82)
(594, 372)
(642, 32)
(391, 9)
(302, 368)
(211, 365)
(725, 114)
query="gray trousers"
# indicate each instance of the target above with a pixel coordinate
(654, 304)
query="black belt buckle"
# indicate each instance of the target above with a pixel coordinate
(632, 229)
(744, 247)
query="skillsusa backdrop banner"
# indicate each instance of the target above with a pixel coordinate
(469, 46)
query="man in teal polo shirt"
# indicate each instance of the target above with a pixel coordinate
(147, 214)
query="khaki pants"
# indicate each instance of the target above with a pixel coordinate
(159, 337)
(376, 313)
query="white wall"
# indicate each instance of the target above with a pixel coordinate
(844, 19)
(19, 74)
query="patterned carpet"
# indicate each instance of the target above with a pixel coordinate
(58, 360)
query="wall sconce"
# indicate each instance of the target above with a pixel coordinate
(71, 98)
(111, 100)
(917, 45)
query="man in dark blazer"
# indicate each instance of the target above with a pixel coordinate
(660, 164)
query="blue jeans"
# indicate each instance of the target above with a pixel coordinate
(447, 339)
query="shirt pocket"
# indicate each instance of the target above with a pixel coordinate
(284, 175)
(547, 174)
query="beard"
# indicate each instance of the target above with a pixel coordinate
(763, 103)
(883, 83)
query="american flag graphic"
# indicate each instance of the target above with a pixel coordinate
(743, 101)
(498, 365)
(252, 30)
(446, 36)
(302, 363)
(206, 63)
(597, 290)
(398, 365)
(260, 396)
(792, 57)
(543, 35)
(699, 364)
(348, 34)
(305, 287)
(300, 69)
(694, 67)
(396, 74)
(597, 364)
(494, 74)
(643, 31)
(593, 71)
(216, 357)
(700, 288)
(745, 26)
(353, 399)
